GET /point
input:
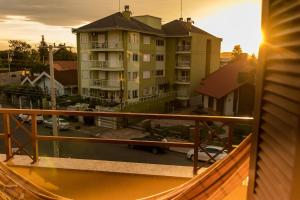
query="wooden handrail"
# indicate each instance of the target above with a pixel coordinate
(35, 137)
(115, 141)
(248, 120)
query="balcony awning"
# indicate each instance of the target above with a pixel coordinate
(217, 181)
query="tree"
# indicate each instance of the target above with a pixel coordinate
(43, 50)
(21, 53)
(237, 51)
(64, 54)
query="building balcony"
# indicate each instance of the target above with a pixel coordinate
(110, 85)
(183, 65)
(105, 46)
(183, 49)
(77, 174)
(104, 65)
(183, 80)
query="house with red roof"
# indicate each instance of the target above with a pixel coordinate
(229, 90)
(65, 75)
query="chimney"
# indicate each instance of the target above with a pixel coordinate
(189, 20)
(181, 18)
(126, 13)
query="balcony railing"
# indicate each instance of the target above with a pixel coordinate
(111, 84)
(204, 130)
(184, 79)
(183, 64)
(183, 48)
(105, 45)
(104, 65)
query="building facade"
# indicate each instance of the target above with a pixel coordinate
(125, 59)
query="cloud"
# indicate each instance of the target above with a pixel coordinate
(75, 12)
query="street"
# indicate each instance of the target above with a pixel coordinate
(94, 151)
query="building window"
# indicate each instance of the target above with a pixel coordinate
(159, 72)
(146, 40)
(135, 57)
(129, 94)
(146, 74)
(159, 57)
(146, 58)
(134, 38)
(134, 76)
(146, 92)
(160, 43)
(135, 94)
(129, 76)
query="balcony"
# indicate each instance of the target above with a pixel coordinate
(184, 80)
(86, 173)
(183, 65)
(105, 46)
(104, 65)
(183, 49)
(110, 85)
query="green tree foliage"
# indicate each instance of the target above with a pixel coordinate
(237, 51)
(43, 51)
(64, 54)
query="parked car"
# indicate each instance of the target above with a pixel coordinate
(153, 149)
(62, 123)
(212, 150)
(27, 118)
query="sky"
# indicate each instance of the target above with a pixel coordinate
(236, 21)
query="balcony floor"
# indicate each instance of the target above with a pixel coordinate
(91, 179)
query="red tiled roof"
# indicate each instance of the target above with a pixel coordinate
(65, 65)
(225, 80)
(66, 77)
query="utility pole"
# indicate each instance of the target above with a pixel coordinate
(180, 8)
(53, 103)
(119, 5)
(9, 60)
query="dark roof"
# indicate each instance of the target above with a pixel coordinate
(181, 28)
(66, 77)
(225, 80)
(119, 21)
(65, 65)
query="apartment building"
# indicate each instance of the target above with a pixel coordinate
(126, 59)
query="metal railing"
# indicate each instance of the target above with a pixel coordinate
(105, 45)
(200, 122)
(183, 48)
(104, 65)
(183, 64)
(183, 79)
(112, 84)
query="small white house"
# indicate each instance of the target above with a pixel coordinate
(229, 90)
(65, 82)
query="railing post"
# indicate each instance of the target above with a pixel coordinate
(230, 137)
(34, 140)
(7, 136)
(196, 147)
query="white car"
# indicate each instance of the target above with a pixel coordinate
(62, 123)
(27, 118)
(212, 150)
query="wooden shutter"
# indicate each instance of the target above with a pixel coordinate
(274, 168)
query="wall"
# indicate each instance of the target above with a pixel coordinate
(45, 84)
(228, 104)
(198, 58)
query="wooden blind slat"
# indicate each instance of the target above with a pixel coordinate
(283, 103)
(289, 93)
(283, 115)
(284, 67)
(283, 141)
(278, 125)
